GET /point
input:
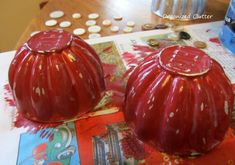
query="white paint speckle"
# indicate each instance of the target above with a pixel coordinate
(204, 140)
(80, 75)
(181, 89)
(171, 114)
(196, 58)
(198, 86)
(132, 90)
(226, 107)
(177, 110)
(38, 91)
(40, 67)
(168, 65)
(57, 67)
(148, 101)
(153, 99)
(151, 107)
(202, 107)
(176, 51)
(144, 115)
(71, 58)
(43, 91)
(177, 131)
(188, 70)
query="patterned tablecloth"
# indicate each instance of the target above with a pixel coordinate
(102, 137)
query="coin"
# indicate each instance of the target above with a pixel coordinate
(94, 29)
(128, 29)
(94, 35)
(148, 26)
(161, 26)
(76, 15)
(106, 22)
(93, 16)
(51, 22)
(200, 44)
(65, 24)
(79, 31)
(114, 29)
(130, 23)
(184, 35)
(117, 17)
(153, 42)
(56, 14)
(90, 23)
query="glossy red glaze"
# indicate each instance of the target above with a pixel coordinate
(179, 105)
(185, 61)
(56, 76)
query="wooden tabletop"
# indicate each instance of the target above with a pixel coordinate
(131, 10)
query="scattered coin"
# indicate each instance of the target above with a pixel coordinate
(93, 16)
(130, 23)
(128, 29)
(200, 44)
(153, 43)
(118, 17)
(79, 31)
(114, 28)
(107, 22)
(94, 29)
(94, 35)
(51, 22)
(184, 35)
(76, 15)
(90, 23)
(56, 14)
(161, 26)
(65, 24)
(148, 26)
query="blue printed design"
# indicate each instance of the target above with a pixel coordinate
(61, 149)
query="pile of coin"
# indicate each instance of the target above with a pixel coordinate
(150, 26)
(178, 32)
(92, 27)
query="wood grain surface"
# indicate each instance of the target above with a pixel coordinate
(131, 10)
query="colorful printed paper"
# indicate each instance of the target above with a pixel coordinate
(102, 136)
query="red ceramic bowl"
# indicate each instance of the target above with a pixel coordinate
(179, 101)
(55, 76)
